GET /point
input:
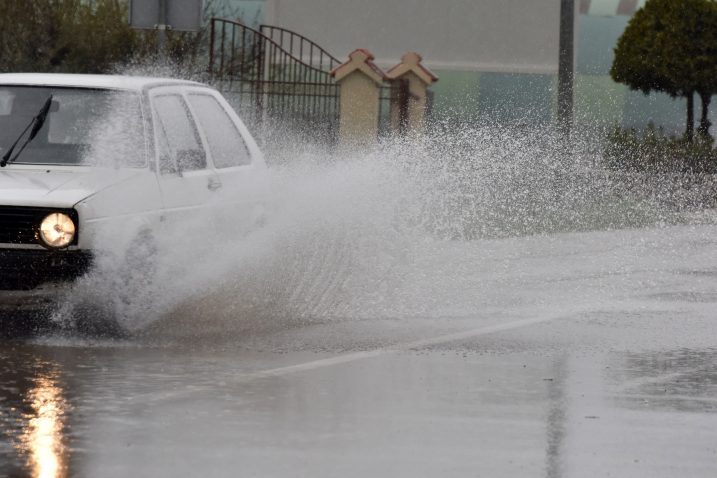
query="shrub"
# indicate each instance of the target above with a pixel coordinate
(653, 151)
(70, 36)
(77, 36)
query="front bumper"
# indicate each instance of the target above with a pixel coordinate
(29, 269)
(41, 298)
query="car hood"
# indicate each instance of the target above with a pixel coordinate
(48, 187)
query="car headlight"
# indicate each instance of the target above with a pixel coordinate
(57, 230)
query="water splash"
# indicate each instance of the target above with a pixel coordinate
(346, 235)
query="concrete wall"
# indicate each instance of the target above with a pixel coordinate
(359, 113)
(487, 35)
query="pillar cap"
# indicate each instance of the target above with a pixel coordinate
(360, 60)
(411, 62)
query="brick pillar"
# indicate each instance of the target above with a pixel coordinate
(360, 82)
(418, 78)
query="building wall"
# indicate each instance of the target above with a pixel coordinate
(465, 35)
(600, 103)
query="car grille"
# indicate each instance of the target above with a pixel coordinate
(19, 225)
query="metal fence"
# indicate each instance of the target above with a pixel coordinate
(279, 80)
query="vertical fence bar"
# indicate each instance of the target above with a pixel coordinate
(221, 54)
(231, 58)
(211, 46)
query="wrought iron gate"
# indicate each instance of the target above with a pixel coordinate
(276, 78)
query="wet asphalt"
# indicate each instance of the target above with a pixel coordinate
(585, 355)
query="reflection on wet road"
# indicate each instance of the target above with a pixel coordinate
(159, 412)
(43, 436)
(33, 417)
(604, 375)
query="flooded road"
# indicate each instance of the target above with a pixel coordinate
(581, 354)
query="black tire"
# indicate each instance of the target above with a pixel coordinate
(18, 325)
(137, 277)
(131, 286)
(96, 321)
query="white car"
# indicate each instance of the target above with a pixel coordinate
(87, 157)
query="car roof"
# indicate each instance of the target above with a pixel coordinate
(137, 83)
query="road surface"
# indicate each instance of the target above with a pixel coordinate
(571, 355)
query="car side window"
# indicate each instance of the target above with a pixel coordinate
(178, 140)
(225, 141)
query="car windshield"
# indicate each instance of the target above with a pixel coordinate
(84, 126)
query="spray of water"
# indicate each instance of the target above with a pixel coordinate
(347, 236)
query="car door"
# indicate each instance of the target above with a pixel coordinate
(233, 153)
(186, 178)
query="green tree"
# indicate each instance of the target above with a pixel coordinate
(71, 36)
(707, 64)
(82, 36)
(670, 46)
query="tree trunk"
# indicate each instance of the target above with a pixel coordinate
(690, 132)
(705, 124)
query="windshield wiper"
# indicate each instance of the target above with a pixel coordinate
(36, 125)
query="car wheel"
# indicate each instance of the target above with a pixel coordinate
(137, 278)
(131, 287)
(95, 320)
(23, 324)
